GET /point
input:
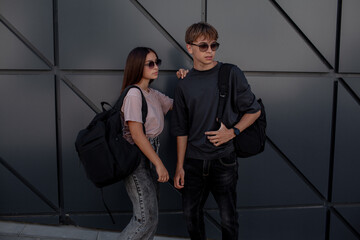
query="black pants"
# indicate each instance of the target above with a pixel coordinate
(218, 177)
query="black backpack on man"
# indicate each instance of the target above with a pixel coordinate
(251, 141)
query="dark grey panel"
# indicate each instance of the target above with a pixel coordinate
(299, 121)
(266, 43)
(266, 180)
(347, 165)
(350, 37)
(34, 20)
(354, 84)
(317, 20)
(173, 18)
(15, 55)
(339, 231)
(351, 214)
(47, 220)
(98, 35)
(27, 138)
(282, 224)
(19, 198)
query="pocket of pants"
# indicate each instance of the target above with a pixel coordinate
(228, 161)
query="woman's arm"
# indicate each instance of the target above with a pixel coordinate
(137, 134)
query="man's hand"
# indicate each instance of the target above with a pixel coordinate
(181, 73)
(220, 136)
(179, 178)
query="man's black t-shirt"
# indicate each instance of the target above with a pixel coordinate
(195, 107)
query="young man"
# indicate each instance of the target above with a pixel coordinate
(205, 152)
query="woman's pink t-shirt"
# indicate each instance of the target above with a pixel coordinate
(158, 105)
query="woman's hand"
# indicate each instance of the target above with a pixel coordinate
(162, 173)
(181, 73)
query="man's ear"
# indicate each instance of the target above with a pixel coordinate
(189, 48)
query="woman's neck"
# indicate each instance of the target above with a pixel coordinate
(144, 85)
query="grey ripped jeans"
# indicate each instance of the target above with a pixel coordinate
(143, 189)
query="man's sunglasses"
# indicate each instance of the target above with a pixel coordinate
(203, 47)
(151, 64)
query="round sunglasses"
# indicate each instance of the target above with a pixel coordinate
(151, 64)
(203, 47)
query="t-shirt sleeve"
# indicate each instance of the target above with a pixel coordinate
(179, 118)
(165, 101)
(132, 106)
(244, 98)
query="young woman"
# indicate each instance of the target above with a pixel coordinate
(142, 67)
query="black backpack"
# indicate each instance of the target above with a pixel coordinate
(106, 156)
(251, 141)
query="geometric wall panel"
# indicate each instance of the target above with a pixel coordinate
(27, 135)
(33, 19)
(14, 55)
(242, 34)
(354, 84)
(281, 224)
(317, 19)
(339, 231)
(347, 164)
(173, 19)
(299, 119)
(90, 41)
(350, 37)
(261, 183)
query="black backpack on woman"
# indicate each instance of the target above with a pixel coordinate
(106, 156)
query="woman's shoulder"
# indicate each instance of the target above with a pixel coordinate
(156, 92)
(133, 92)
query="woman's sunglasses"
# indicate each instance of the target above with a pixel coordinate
(151, 64)
(203, 47)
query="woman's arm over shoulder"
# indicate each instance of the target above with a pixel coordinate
(165, 101)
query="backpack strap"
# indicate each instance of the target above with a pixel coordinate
(106, 206)
(144, 108)
(223, 85)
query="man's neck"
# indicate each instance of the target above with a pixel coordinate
(203, 67)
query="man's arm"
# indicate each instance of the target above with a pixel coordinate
(179, 179)
(224, 134)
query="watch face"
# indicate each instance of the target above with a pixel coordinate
(236, 131)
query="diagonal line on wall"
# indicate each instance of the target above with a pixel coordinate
(23, 39)
(302, 34)
(350, 90)
(80, 94)
(161, 29)
(295, 169)
(345, 222)
(28, 184)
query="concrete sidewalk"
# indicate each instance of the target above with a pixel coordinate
(27, 231)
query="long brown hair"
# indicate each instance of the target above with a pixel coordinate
(134, 67)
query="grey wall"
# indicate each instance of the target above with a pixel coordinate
(59, 59)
